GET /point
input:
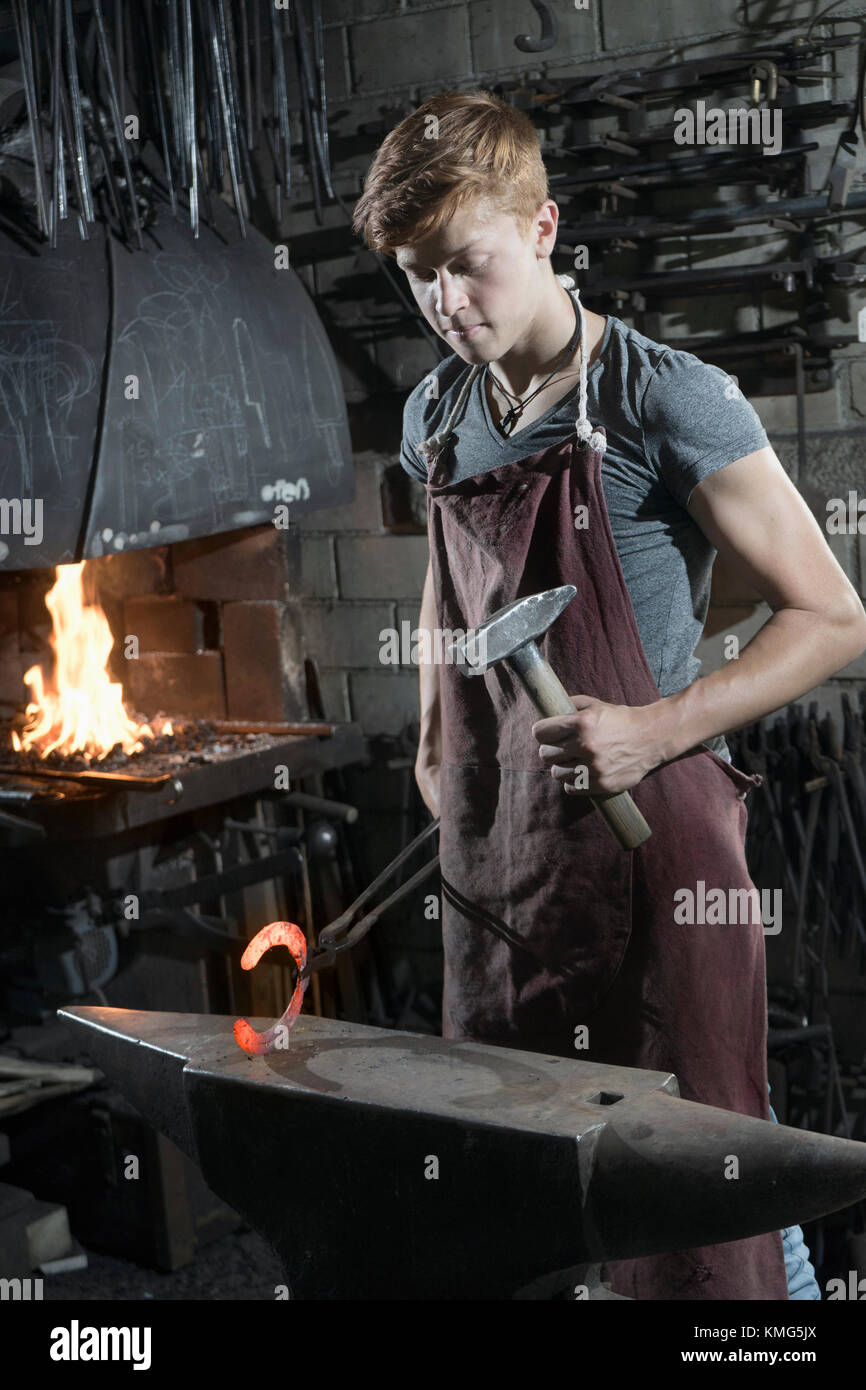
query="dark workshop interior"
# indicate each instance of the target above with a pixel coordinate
(236, 939)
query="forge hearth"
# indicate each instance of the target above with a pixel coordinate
(188, 744)
(71, 800)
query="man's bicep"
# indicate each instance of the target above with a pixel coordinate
(757, 520)
(695, 421)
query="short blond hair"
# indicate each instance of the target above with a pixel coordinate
(482, 149)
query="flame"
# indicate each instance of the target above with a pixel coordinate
(83, 710)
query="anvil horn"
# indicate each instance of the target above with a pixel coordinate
(543, 1163)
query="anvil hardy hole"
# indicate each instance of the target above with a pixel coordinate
(606, 1098)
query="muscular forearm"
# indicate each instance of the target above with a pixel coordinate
(792, 653)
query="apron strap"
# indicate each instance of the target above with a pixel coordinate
(430, 449)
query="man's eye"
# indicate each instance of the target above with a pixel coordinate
(466, 270)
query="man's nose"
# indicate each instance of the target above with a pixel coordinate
(450, 298)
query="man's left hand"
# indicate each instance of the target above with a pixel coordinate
(613, 743)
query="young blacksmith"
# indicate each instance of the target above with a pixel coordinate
(557, 447)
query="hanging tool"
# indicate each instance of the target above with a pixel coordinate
(549, 29)
(117, 119)
(81, 162)
(176, 103)
(21, 17)
(313, 107)
(257, 66)
(280, 139)
(227, 117)
(319, 52)
(111, 191)
(58, 176)
(189, 111)
(248, 93)
(153, 64)
(311, 67)
(73, 160)
(229, 45)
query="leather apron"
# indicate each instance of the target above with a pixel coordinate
(547, 923)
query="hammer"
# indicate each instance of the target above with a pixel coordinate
(510, 635)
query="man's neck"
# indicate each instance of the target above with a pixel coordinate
(531, 359)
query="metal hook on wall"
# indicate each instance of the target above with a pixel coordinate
(526, 43)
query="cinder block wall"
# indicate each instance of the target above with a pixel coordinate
(357, 579)
(218, 624)
(362, 567)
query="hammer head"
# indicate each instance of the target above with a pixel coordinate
(500, 635)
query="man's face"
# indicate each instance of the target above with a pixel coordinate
(476, 279)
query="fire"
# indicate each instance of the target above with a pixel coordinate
(83, 710)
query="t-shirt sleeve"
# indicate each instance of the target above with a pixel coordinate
(413, 430)
(695, 421)
(411, 462)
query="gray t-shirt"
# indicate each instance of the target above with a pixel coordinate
(671, 420)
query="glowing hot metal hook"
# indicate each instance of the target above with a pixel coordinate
(275, 1037)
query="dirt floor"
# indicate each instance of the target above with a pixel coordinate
(238, 1266)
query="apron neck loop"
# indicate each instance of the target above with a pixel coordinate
(585, 433)
(431, 449)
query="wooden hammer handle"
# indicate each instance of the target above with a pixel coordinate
(551, 698)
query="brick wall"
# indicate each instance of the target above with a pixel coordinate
(356, 576)
(224, 640)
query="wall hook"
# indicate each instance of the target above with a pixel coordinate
(526, 43)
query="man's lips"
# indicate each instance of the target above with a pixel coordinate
(468, 332)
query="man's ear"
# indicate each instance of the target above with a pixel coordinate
(544, 227)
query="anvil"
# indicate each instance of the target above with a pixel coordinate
(392, 1165)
